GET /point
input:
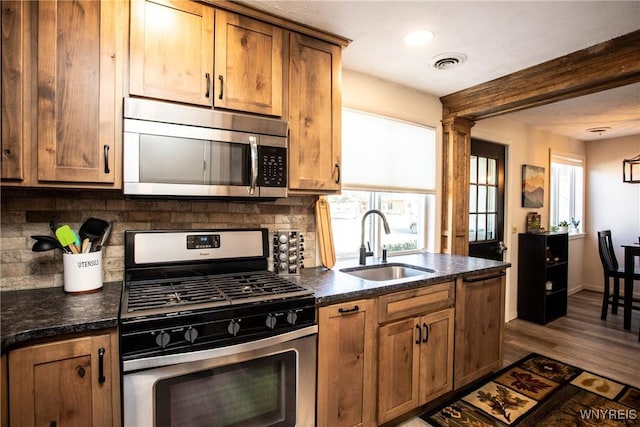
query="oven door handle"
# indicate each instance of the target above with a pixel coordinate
(194, 356)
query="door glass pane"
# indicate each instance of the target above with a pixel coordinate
(472, 228)
(473, 200)
(474, 170)
(482, 226)
(491, 199)
(482, 198)
(482, 170)
(491, 226)
(257, 392)
(492, 175)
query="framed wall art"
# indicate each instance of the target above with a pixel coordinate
(532, 186)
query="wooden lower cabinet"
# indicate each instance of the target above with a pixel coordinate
(415, 362)
(71, 382)
(479, 326)
(346, 364)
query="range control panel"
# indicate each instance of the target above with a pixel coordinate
(288, 252)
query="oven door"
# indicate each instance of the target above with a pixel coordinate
(269, 382)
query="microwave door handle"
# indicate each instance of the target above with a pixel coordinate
(253, 143)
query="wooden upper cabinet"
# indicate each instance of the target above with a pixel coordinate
(248, 64)
(76, 91)
(314, 115)
(13, 74)
(171, 50)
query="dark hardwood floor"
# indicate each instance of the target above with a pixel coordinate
(580, 338)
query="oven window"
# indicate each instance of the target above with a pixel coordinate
(258, 392)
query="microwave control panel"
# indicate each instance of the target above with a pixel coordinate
(272, 166)
(288, 252)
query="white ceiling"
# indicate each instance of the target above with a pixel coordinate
(498, 38)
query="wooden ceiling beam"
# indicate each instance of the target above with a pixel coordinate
(603, 66)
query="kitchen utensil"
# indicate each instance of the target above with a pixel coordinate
(67, 238)
(45, 243)
(325, 233)
(105, 236)
(93, 228)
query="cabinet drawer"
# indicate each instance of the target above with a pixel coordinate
(415, 301)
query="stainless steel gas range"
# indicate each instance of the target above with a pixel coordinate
(209, 336)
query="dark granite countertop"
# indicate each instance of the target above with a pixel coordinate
(333, 286)
(41, 313)
(49, 312)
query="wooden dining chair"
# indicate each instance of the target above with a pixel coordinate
(611, 271)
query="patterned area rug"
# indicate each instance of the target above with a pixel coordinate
(540, 391)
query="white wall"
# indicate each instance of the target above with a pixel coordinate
(525, 145)
(611, 204)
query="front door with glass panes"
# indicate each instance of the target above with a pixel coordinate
(486, 200)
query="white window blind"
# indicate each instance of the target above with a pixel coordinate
(380, 152)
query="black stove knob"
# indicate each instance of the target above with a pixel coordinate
(292, 317)
(162, 339)
(233, 327)
(191, 334)
(271, 321)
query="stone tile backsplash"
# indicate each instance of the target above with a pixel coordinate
(27, 212)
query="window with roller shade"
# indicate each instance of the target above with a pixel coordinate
(387, 164)
(567, 189)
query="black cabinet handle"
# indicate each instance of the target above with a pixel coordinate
(53, 424)
(338, 170)
(348, 310)
(426, 332)
(80, 371)
(419, 334)
(208, 77)
(101, 377)
(106, 159)
(221, 86)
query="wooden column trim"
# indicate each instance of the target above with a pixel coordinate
(456, 149)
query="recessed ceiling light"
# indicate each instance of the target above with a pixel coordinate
(418, 37)
(447, 61)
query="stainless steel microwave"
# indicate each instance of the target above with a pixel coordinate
(174, 150)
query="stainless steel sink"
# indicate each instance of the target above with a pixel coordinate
(383, 272)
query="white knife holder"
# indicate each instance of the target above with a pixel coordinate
(82, 272)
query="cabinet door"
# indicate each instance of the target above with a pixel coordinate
(479, 326)
(14, 73)
(76, 91)
(60, 383)
(398, 368)
(346, 364)
(436, 355)
(171, 50)
(248, 64)
(314, 115)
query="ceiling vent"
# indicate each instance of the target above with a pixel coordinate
(599, 130)
(447, 61)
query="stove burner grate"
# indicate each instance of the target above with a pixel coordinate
(217, 290)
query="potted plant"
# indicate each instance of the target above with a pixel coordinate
(563, 227)
(575, 223)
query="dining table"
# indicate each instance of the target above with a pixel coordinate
(631, 251)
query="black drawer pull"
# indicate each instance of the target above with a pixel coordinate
(208, 77)
(419, 339)
(425, 327)
(221, 78)
(348, 310)
(106, 159)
